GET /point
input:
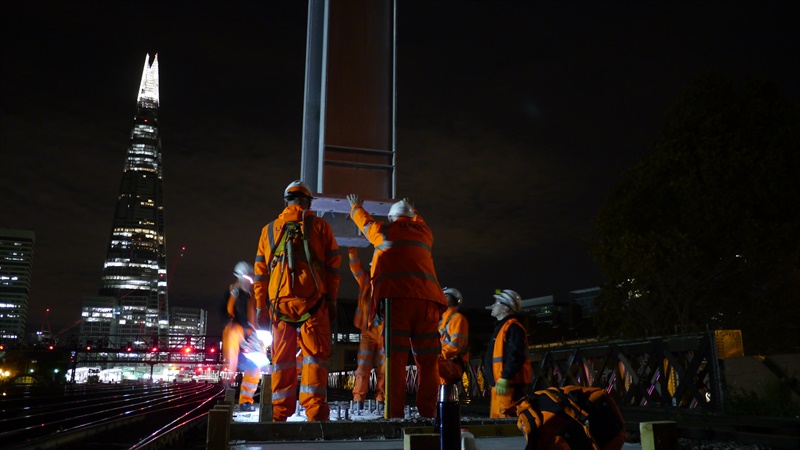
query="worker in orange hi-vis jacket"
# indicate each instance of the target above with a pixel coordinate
(403, 272)
(296, 286)
(242, 348)
(454, 335)
(370, 350)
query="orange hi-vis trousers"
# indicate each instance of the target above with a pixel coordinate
(414, 327)
(370, 354)
(314, 338)
(232, 338)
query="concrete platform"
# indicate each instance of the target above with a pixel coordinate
(488, 443)
(367, 431)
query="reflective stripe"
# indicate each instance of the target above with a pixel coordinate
(283, 366)
(280, 395)
(258, 277)
(401, 333)
(331, 253)
(366, 228)
(497, 360)
(400, 348)
(425, 335)
(271, 235)
(313, 390)
(332, 270)
(249, 386)
(389, 244)
(307, 360)
(261, 258)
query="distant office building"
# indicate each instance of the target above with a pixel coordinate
(544, 309)
(16, 263)
(185, 321)
(135, 269)
(584, 300)
(187, 331)
(99, 318)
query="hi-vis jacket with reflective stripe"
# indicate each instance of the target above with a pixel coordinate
(324, 251)
(402, 265)
(454, 333)
(510, 353)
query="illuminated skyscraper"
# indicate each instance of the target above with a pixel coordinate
(16, 261)
(135, 270)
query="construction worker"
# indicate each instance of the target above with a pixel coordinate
(403, 272)
(454, 336)
(507, 368)
(243, 352)
(296, 286)
(370, 350)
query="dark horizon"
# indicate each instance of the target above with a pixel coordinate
(514, 121)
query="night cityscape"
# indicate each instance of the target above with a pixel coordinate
(628, 168)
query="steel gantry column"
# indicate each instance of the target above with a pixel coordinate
(349, 110)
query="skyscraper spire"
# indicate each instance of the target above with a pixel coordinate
(135, 269)
(148, 89)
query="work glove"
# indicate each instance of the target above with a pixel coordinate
(354, 199)
(501, 387)
(409, 201)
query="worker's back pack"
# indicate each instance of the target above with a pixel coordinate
(572, 417)
(295, 275)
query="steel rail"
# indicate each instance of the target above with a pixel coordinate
(166, 434)
(91, 424)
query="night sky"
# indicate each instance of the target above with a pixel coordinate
(514, 121)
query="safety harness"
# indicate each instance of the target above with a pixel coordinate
(283, 253)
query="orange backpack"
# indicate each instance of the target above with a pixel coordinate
(570, 418)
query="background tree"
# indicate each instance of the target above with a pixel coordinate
(705, 231)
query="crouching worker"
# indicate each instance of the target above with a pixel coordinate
(243, 350)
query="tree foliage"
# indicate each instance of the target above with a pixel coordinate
(705, 231)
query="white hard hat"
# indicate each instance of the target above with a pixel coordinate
(243, 269)
(509, 298)
(401, 208)
(452, 292)
(297, 188)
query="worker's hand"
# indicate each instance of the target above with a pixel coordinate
(501, 387)
(354, 199)
(409, 201)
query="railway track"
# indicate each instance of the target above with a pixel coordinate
(155, 417)
(136, 416)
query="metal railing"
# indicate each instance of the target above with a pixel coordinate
(669, 372)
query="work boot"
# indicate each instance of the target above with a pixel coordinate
(246, 407)
(380, 408)
(359, 406)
